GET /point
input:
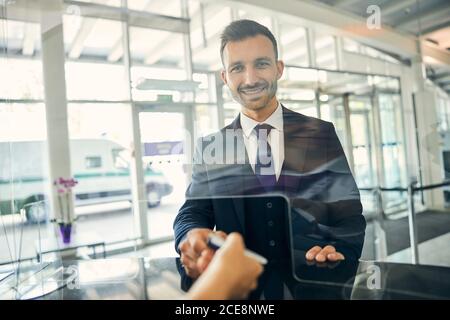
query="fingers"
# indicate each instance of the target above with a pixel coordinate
(234, 240)
(312, 253)
(337, 256)
(221, 234)
(191, 250)
(197, 241)
(323, 254)
(204, 259)
(190, 266)
(328, 253)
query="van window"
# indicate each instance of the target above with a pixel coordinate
(93, 162)
(120, 158)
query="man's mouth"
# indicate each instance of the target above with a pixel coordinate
(253, 91)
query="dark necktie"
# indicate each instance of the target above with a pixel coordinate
(265, 165)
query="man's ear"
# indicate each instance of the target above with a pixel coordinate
(223, 76)
(280, 69)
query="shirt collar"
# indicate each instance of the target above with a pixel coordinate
(275, 120)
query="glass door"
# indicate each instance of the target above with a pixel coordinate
(166, 146)
(360, 109)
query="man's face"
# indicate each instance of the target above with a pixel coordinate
(251, 71)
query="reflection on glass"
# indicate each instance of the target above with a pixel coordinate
(89, 43)
(293, 45)
(165, 154)
(325, 51)
(100, 157)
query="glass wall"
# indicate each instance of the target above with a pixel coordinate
(325, 48)
(101, 101)
(96, 85)
(293, 44)
(23, 141)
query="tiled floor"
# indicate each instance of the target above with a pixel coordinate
(433, 252)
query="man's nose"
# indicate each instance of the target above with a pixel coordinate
(251, 77)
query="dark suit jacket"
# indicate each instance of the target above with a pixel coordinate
(315, 176)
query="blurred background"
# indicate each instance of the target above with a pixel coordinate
(114, 92)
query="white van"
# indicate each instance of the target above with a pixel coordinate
(100, 166)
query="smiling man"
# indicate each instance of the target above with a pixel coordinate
(252, 80)
(285, 152)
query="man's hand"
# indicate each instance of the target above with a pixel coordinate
(327, 253)
(231, 274)
(195, 253)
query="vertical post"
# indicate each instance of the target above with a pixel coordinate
(53, 59)
(412, 224)
(348, 131)
(319, 112)
(377, 139)
(380, 233)
(338, 51)
(311, 40)
(190, 116)
(139, 194)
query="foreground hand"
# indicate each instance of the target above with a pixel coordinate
(230, 275)
(195, 253)
(327, 253)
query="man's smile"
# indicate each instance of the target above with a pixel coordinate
(253, 91)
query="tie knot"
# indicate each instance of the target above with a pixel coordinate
(263, 130)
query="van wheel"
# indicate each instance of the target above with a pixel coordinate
(153, 199)
(36, 211)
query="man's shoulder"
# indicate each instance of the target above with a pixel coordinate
(290, 118)
(298, 119)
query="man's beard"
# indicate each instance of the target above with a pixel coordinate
(260, 103)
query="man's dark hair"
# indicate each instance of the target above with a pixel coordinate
(241, 29)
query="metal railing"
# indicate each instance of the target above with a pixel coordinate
(411, 189)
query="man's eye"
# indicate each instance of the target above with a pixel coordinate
(262, 64)
(236, 69)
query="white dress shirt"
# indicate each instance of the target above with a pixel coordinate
(275, 138)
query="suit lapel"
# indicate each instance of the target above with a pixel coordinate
(295, 149)
(243, 166)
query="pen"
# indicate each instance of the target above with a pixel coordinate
(215, 242)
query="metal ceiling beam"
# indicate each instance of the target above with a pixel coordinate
(395, 6)
(431, 17)
(86, 27)
(346, 24)
(438, 55)
(342, 23)
(344, 3)
(116, 51)
(436, 27)
(170, 41)
(443, 79)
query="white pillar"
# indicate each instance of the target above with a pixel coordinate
(55, 97)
